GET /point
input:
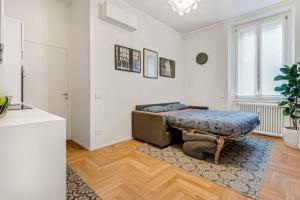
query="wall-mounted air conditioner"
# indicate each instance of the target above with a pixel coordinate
(115, 15)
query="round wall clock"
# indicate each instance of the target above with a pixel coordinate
(202, 58)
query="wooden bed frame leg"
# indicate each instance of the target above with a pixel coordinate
(220, 145)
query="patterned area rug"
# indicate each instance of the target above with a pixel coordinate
(241, 168)
(77, 189)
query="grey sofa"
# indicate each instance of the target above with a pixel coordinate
(153, 128)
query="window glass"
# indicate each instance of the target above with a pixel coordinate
(260, 53)
(246, 62)
(271, 56)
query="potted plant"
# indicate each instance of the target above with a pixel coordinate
(290, 102)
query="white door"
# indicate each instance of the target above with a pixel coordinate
(10, 69)
(46, 79)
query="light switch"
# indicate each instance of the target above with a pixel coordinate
(98, 132)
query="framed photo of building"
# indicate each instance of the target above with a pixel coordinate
(167, 68)
(150, 64)
(127, 59)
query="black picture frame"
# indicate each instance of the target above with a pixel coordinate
(145, 64)
(127, 59)
(170, 72)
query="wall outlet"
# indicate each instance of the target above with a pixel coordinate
(98, 96)
(98, 132)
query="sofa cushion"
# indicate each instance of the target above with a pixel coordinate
(177, 106)
(156, 109)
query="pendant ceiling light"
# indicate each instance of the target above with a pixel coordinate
(183, 6)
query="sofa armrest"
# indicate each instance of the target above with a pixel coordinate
(150, 127)
(200, 107)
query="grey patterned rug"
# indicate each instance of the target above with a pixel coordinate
(77, 189)
(242, 166)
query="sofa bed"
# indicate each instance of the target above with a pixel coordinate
(202, 130)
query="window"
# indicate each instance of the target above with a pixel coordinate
(260, 51)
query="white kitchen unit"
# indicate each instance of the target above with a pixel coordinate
(10, 69)
(33, 156)
(1, 30)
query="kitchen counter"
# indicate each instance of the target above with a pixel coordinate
(18, 117)
(33, 156)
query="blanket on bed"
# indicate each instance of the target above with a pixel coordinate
(216, 122)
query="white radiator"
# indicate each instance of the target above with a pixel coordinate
(271, 117)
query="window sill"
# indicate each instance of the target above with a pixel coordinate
(265, 99)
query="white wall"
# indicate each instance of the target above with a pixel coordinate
(208, 84)
(46, 21)
(120, 91)
(80, 72)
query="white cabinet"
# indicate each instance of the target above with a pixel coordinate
(1, 30)
(10, 69)
(33, 156)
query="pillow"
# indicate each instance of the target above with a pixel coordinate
(177, 106)
(156, 109)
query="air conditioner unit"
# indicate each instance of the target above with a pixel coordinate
(118, 16)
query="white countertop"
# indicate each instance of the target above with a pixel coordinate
(21, 117)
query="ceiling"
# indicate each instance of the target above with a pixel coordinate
(207, 13)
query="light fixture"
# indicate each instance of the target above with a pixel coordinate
(183, 6)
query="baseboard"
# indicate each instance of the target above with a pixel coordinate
(268, 135)
(80, 144)
(114, 142)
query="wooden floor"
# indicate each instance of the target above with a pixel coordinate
(120, 172)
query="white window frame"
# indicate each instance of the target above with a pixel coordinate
(288, 52)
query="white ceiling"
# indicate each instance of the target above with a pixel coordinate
(208, 11)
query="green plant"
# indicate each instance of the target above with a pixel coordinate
(2, 100)
(290, 91)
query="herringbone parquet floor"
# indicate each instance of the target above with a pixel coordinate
(119, 172)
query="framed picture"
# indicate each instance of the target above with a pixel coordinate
(150, 64)
(127, 59)
(167, 68)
